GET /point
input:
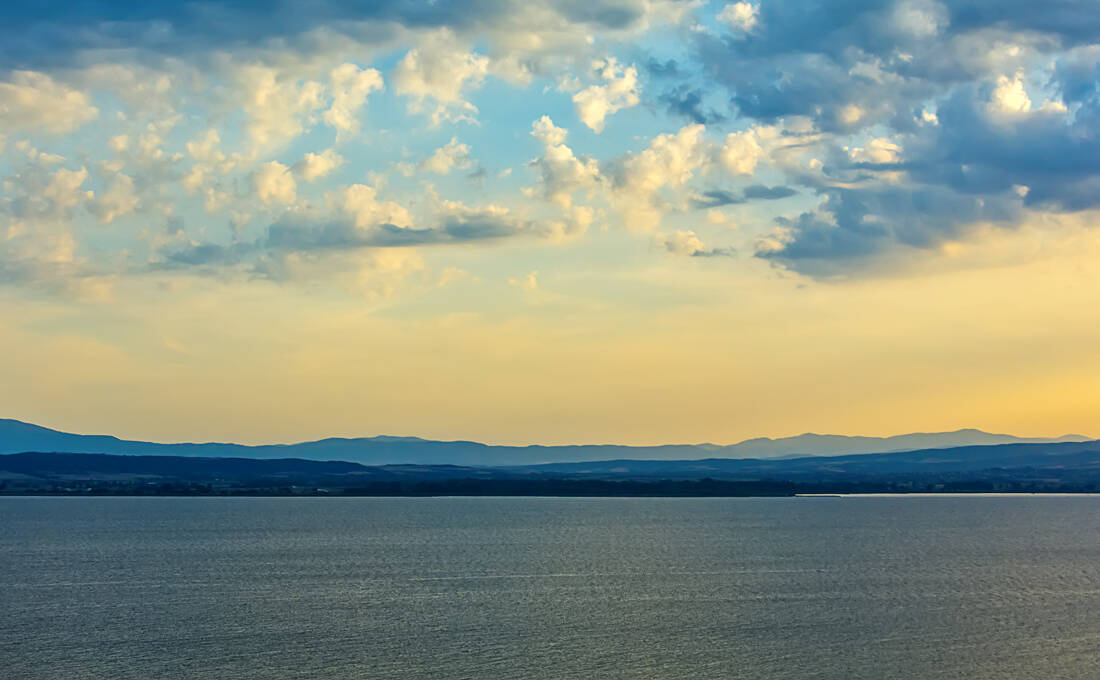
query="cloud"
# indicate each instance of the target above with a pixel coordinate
(452, 155)
(981, 150)
(670, 162)
(360, 226)
(619, 91)
(740, 16)
(42, 197)
(851, 66)
(560, 172)
(350, 86)
(39, 34)
(194, 254)
(529, 283)
(742, 151)
(912, 122)
(209, 162)
(439, 72)
(878, 151)
(360, 203)
(990, 155)
(759, 191)
(1010, 97)
(546, 132)
(855, 226)
(920, 18)
(203, 148)
(669, 68)
(117, 201)
(572, 225)
(274, 183)
(687, 102)
(1077, 73)
(31, 101)
(38, 248)
(715, 198)
(686, 243)
(277, 104)
(314, 166)
(65, 188)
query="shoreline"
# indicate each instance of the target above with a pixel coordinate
(1039, 494)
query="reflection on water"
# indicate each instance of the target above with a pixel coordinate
(550, 588)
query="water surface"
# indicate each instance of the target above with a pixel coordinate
(549, 588)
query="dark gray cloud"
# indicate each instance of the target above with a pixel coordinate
(300, 235)
(56, 32)
(856, 224)
(885, 27)
(1043, 151)
(294, 234)
(924, 74)
(715, 252)
(668, 68)
(1075, 22)
(687, 102)
(759, 191)
(1078, 75)
(716, 198)
(885, 57)
(201, 254)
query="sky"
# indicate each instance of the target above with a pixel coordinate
(623, 221)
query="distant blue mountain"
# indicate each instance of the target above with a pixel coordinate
(18, 437)
(1052, 457)
(1044, 467)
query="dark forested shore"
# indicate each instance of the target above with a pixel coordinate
(1063, 468)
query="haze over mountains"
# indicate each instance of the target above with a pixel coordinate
(19, 437)
(1049, 467)
(1049, 458)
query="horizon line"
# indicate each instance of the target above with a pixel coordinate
(537, 445)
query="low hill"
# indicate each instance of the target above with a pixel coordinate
(18, 437)
(1054, 458)
(1043, 466)
(108, 467)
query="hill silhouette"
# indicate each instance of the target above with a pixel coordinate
(18, 437)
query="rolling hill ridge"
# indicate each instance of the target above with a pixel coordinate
(19, 437)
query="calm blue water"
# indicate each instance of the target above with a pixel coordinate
(550, 588)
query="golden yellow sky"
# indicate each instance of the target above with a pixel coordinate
(627, 221)
(1003, 335)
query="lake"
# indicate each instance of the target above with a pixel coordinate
(486, 588)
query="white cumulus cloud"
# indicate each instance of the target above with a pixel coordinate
(274, 183)
(118, 200)
(740, 16)
(681, 242)
(742, 151)
(452, 155)
(350, 87)
(35, 101)
(618, 91)
(277, 105)
(316, 165)
(560, 171)
(360, 202)
(670, 161)
(440, 71)
(529, 282)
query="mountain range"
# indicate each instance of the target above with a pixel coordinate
(1046, 467)
(19, 437)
